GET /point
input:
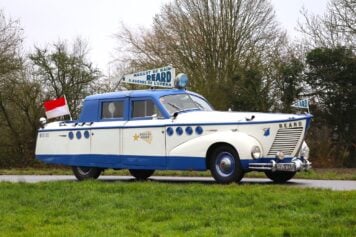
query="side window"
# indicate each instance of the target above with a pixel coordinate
(112, 110)
(144, 109)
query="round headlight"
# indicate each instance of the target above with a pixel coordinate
(280, 155)
(256, 152)
(304, 151)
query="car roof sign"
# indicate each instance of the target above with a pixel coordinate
(159, 77)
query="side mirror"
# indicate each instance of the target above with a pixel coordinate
(175, 115)
(250, 119)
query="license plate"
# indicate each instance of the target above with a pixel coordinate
(285, 167)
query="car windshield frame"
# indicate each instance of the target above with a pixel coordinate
(201, 103)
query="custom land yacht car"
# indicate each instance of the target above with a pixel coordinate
(173, 129)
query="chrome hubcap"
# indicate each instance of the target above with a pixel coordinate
(225, 164)
(83, 170)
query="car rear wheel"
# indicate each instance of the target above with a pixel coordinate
(84, 173)
(280, 176)
(141, 174)
(225, 165)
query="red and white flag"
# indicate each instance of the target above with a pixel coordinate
(57, 107)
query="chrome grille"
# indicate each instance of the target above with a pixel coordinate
(286, 141)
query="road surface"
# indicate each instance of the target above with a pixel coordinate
(326, 184)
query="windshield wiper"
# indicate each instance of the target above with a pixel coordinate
(189, 109)
(174, 106)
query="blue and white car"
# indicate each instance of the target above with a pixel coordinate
(174, 129)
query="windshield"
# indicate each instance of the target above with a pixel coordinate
(201, 103)
(178, 103)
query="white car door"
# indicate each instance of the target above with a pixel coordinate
(144, 136)
(106, 135)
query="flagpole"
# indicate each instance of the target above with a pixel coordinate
(70, 115)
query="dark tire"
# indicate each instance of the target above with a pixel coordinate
(280, 176)
(141, 174)
(84, 173)
(225, 165)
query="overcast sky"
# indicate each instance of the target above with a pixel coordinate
(46, 21)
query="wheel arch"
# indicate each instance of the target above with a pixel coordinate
(213, 147)
(203, 146)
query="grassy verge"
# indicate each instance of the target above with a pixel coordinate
(336, 174)
(97, 208)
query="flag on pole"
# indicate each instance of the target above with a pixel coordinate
(303, 104)
(57, 107)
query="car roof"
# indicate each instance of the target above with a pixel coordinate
(138, 93)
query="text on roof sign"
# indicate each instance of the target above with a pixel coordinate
(162, 77)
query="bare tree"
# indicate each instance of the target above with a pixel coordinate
(210, 40)
(21, 108)
(336, 27)
(19, 99)
(330, 76)
(10, 44)
(65, 72)
(10, 64)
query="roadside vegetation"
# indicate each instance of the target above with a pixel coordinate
(325, 174)
(95, 208)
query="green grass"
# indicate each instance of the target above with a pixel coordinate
(336, 174)
(95, 208)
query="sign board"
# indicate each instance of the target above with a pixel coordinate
(161, 77)
(303, 104)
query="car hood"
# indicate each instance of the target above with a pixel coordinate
(236, 117)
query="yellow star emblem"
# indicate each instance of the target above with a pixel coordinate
(135, 137)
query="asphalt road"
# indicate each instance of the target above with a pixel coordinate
(326, 184)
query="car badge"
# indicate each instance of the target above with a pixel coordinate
(266, 132)
(145, 136)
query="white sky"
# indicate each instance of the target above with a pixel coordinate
(46, 21)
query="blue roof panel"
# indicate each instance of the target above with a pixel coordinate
(135, 94)
(91, 107)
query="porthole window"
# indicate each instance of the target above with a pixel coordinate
(78, 135)
(86, 134)
(189, 130)
(170, 131)
(179, 131)
(71, 135)
(199, 130)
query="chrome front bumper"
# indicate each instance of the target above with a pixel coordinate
(295, 165)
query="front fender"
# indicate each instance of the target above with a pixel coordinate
(199, 146)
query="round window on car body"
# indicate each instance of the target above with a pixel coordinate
(86, 134)
(199, 130)
(78, 135)
(170, 131)
(71, 135)
(189, 130)
(179, 131)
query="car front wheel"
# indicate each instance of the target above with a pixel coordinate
(141, 174)
(225, 165)
(280, 176)
(84, 173)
